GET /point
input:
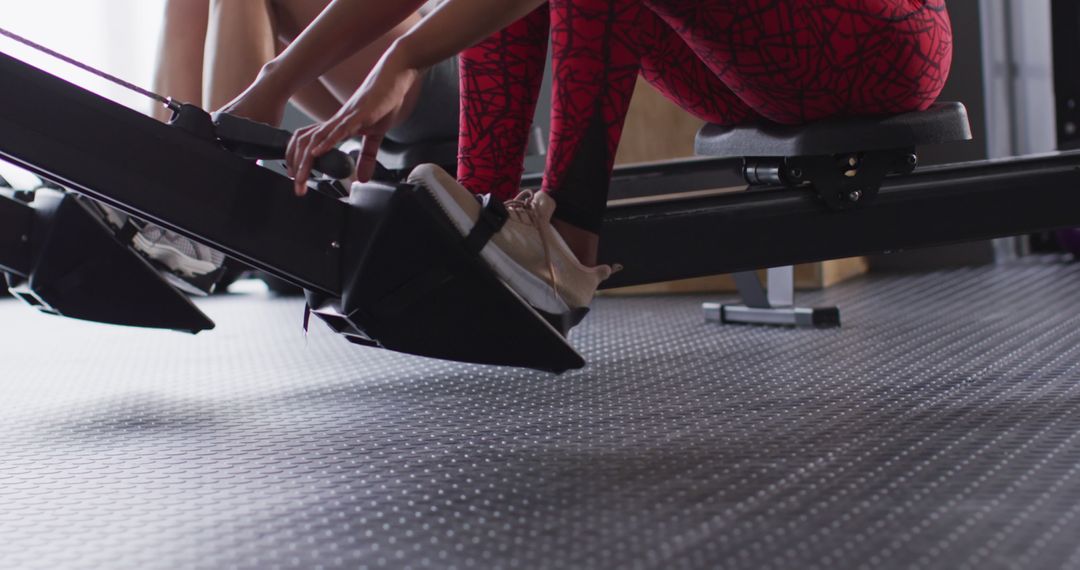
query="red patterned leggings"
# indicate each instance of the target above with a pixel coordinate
(725, 61)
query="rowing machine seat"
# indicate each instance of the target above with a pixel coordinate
(843, 160)
(941, 123)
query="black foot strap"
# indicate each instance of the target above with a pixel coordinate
(493, 217)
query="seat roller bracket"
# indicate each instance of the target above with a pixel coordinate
(842, 181)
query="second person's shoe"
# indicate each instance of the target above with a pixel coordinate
(185, 263)
(190, 266)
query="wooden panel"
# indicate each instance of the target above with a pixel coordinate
(656, 129)
(808, 276)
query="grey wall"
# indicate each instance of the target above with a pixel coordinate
(965, 84)
(1019, 76)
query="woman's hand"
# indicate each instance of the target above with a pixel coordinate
(369, 113)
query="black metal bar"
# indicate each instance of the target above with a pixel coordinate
(163, 174)
(770, 228)
(16, 223)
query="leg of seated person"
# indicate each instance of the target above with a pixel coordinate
(180, 53)
(673, 69)
(800, 61)
(500, 85)
(240, 41)
(582, 153)
(595, 62)
(599, 45)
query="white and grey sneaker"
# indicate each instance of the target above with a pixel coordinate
(191, 266)
(187, 264)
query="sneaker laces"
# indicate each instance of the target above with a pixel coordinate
(522, 209)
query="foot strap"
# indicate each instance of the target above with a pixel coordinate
(492, 218)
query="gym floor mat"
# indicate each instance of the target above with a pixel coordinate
(939, 428)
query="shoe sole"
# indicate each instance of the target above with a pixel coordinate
(535, 291)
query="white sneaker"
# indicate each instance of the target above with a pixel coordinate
(183, 256)
(189, 265)
(526, 253)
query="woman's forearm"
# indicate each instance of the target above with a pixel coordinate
(342, 29)
(455, 26)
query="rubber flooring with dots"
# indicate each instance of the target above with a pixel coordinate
(940, 428)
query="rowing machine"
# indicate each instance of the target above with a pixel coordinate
(383, 266)
(384, 240)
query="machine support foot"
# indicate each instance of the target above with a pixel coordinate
(773, 305)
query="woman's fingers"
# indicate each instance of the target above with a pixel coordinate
(311, 142)
(299, 158)
(300, 155)
(369, 151)
(303, 171)
(292, 152)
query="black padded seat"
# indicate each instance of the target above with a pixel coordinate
(942, 122)
(397, 156)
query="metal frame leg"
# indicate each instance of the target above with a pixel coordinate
(773, 304)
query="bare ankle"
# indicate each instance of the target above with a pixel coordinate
(583, 243)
